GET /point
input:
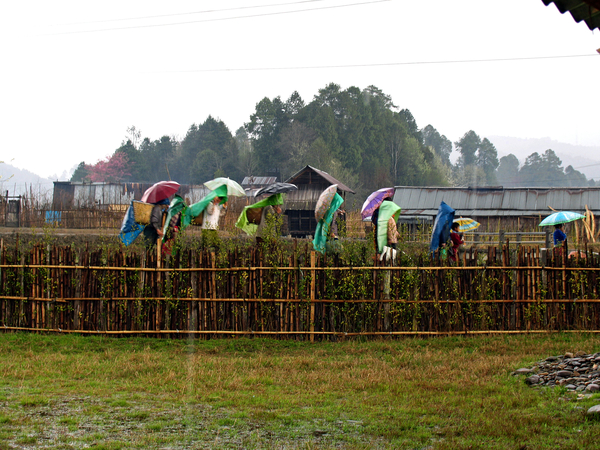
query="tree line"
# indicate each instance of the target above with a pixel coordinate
(358, 136)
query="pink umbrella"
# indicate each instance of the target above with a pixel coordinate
(160, 191)
(374, 200)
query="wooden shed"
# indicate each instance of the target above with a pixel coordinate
(300, 205)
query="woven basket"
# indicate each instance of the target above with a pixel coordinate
(253, 215)
(198, 219)
(142, 212)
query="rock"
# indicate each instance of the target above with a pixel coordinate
(592, 388)
(534, 379)
(569, 355)
(523, 370)
(571, 387)
(564, 373)
(594, 411)
(580, 353)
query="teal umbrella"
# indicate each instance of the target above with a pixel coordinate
(561, 217)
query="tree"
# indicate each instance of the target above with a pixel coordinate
(247, 163)
(507, 173)
(542, 170)
(468, 146)
(295, 142)
(487, 159)
(264, 128)
(82, 173)
(112, 169)
(439, 143)
(575, 178)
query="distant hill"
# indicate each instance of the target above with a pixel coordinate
(583, 158)
(23, 182)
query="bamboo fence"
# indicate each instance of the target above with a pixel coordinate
(301, 295)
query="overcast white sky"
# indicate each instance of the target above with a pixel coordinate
(75, 75)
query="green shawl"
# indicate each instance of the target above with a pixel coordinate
(250, 228)
(386, 210)
(198, 208)
(324, 225)
(177, 205)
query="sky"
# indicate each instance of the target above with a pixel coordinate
(76, 75)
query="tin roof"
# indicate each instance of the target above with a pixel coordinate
(496, 201)
(581, 10)
(258, 181)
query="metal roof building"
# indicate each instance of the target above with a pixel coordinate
(495, 202)
(581, 10)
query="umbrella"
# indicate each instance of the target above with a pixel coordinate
(561, 217)
(276, 188)
(467, 224)
(374, 200)
(233, 188)
(324, 201)
(441, 226)
(160, 191)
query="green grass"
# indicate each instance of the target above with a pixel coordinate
(442, 393)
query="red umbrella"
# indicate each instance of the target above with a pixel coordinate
(160, 191)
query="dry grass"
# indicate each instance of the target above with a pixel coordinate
(446, 393)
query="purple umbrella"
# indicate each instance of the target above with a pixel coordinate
(374, 200)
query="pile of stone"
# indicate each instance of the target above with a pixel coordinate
(578, 372)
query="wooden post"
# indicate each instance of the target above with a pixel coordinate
(313, 272)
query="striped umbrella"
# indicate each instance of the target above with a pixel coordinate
(467, 224)
(560, 217)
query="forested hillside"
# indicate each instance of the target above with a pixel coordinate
(359, 136)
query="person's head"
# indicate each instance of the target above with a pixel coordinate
(277, 209)
(455, 226)
(558, 226)
(217, 200)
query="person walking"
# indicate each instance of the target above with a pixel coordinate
(560, 239)
(456, 239)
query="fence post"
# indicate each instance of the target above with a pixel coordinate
(501, 237)
(313, 283)
(547, 239)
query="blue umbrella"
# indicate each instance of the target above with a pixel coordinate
(560, 217)
(441, 227)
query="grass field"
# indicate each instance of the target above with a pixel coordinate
(72, 392)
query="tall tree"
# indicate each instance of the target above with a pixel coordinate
(468, 146)
(507, 173)
(487, 159)
(439, 143)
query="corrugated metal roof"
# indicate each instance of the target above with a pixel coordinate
(581, 10)
(494, 202)
(258, 181)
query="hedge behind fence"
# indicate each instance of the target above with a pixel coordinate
(291, 292)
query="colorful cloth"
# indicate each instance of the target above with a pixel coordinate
(130, 229)
(198, 208)
(176, 206)
(559, 237)
(251, 228)
(324, 225)
(387, 210)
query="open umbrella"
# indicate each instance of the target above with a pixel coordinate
(374, 200)
(276, 188)
(233, 188)
(560, 217)
(324, 201)
(466, 224)
(160, 191)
